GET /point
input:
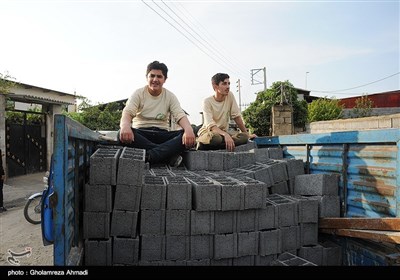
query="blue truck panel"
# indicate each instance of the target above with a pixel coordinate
(73, 146)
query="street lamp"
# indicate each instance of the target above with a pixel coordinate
(306, 79)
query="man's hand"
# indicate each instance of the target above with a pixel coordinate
(229, 143)
(188, 138)
(252, 136)
(126, 135)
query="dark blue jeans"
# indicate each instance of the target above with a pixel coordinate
(160, 144)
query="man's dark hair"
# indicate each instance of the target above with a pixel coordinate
(156, 65)
(219, 77)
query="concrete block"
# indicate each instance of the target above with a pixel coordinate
(290, 237)
(275, 153)
(98, 198)
(127, 197)
(294, 167)
(328, 205)
(195, 160)
(152, 222)
(277, 169)
(287, 209)
(201, 247)
(177, 222)
(246, 147)
(98, 252)
(246, 158)
(125, 251)
(308, 234)
(261, 154)
(247, 220)
(248, 244)
(201, 222)
(316, 184)
(179, 193)
(308, 209)
(331, 254)
(124, 223)
(216, 161)
(270, 242)
(177, 247)
(313, 253)
(279, 188)
(96, 225)
(152, 247)
(131, 166)
(231, 160)
(154, 193)
(225, 221)
(268, 217)
(206, 196)
(225, 245)
(103, 166)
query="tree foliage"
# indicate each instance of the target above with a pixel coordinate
(363, 107)
(324, 109)
(258, 115)
(97, 117)
(6, 82)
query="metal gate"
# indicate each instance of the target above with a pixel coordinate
(25, 144)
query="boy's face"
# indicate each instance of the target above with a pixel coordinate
(155, 81)
(223, 87)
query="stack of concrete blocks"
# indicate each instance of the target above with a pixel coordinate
(98, 198)
(322, 187)
(323, 190)
(110, 229)
(189, 217)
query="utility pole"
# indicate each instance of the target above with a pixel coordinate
(238, 90)
(255, 82)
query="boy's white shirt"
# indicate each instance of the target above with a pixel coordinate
(148, 110)
(218, 114)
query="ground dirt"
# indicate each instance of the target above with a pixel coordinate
(17, 236)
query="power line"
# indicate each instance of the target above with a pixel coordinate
(209, 36)
(336, 91)
(181, 33)
(209, 52)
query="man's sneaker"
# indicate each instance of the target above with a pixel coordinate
(175, 161)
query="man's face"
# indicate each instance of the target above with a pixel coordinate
(155, 81)
(223, 87)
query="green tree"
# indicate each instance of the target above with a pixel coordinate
(324, 109)
(6, 82)
(258, 115)
(98, 117)
(363, 107)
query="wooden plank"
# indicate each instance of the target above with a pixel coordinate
(391, 224)
(381, 236)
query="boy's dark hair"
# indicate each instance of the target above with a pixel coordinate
(156, 65)
(219, 77)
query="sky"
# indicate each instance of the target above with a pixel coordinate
(100, 49)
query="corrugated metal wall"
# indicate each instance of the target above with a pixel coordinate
(367, 162)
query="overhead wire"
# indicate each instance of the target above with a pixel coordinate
(367, 84)
(211, 52)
